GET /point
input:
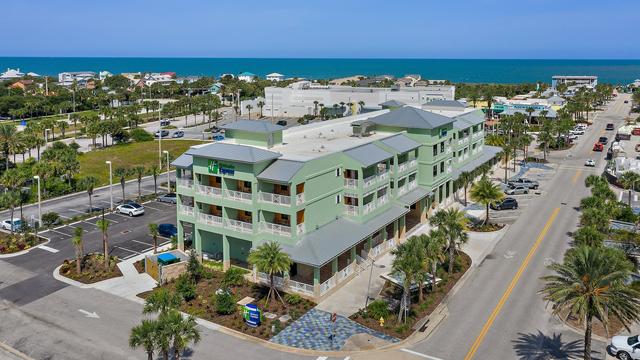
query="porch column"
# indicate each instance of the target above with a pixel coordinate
(197, 240)
(334, 266)
(316, 281)
(353, 254)
(180, 235)
(226, 260)
(423, 210)
(395, 230)
(402, 227)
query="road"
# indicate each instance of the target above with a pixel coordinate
(496, 314)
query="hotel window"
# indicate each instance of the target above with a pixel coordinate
(442, 166)
(442, 147)
(338, 199)
(435, 171)
(338, 172)
(435, 150)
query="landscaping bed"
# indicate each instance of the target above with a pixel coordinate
(10, 244)
(139, 265)
(204, 303)
(490, 227)
(92, 269)
(418, 310)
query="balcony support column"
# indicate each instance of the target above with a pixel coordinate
(226, 259)
(180, 235)
(316, 282)
(197, 239)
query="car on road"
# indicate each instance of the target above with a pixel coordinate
(590, 163)
(163, 133)
(165, 122)
(603, 140)
(508, 203)
(167, 230)
(215, 129)
(598, 147)
(177, 134)
(218, 137)
(528, 183)
(130, 208)
(282, 122)
(8, 224)
(581, 126)
(168, 198)
(626, 101)
(625, 347)
(516, 190)
(577, 131)
(572, 137)
(610, 126)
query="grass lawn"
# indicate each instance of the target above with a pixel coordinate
(129, 155)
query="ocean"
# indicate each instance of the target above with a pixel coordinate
(455, 70)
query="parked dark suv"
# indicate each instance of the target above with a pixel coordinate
(506, 204)
(610, 126)
(603, 140)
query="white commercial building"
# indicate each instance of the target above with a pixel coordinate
(304, 97)
(583, 80)
(275, 77)
(80, 77)
(11, 74)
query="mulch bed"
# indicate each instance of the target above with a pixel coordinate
(204, 306)
(92, 270)
(10, 244)
(486, 227)
(139, 265)
(418, 311)
(615, 326)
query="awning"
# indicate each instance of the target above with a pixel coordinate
(413, 196)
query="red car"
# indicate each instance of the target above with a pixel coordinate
(598, 147)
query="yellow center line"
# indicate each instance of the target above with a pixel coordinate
(512, 285)
(576, 176)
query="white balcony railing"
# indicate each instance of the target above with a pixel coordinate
(300, 199)
(238, 225)
(275, 198)
(383, 200)
(208, 190)
(286, 284)
(449, 170)
(210, 219)
(185, 183)
(413, 163)
(412, 185)
(351, 210)
(403, 189)
(374, 179)
(403, 167)
(351, 183)
(276, 229)
(238, 195)
(477, 135)
(367, 208)
(185, 210)
(300, 229)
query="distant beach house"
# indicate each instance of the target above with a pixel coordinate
(247, 76)
(215, 88)
(275, 77)
(104, 74)
(81, 78)
(11, 74)
(21, 84)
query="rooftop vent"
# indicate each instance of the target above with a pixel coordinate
(362, 128)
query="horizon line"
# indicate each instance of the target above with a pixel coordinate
(311, 58)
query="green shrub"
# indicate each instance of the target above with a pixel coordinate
(194, 267)
(293, 299)
(140, 135)
(225, 303)
(378, 309)
(185, 287)
(233, 277)
(50, 218)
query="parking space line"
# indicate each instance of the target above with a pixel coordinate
(78, 211)
(125, 249)
(63, 216)
(128, 256)
(140, 242)
(59, 232)
(49, 249)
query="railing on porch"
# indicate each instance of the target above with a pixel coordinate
(239, 225)
(186, 183)
(286, 284)
(275, 198)
(381, 248)
(351, 210)
(351, 183)
(210, 219)
(185, 210)
(300, 199)
(337, 278)
(238, 195)
(300, 229)
(276, 229)
(208, 190)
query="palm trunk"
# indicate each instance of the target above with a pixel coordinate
(434, 287)
(155, 184)
(78, 260)
(90, 204)
(11, 210)
(629, 196)
(149, 355)
(465, 195)
(122, 185)
(105, 245)
(587, 339)
(452, 255)
(420, 282)
(486, 216)
(139, 190)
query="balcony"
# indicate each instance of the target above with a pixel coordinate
(383, 200)
(276, 229)
(477, 135)
(375, 179)
(412, 185)
(277, 199)
(185, 183)
(185, 210)
(238, 196)
(238, 225)
(351, 210)
(403, 189)
(208, 191)
(211, 220)
(407, 165)
(300, 229)
(351, 183)
(300, 199)
(367, 208)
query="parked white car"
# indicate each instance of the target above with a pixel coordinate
(590, 163)
(131, 209)
(624, 347)
(577, 131)
(8, 224)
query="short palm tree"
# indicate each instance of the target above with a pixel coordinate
(182, 331)
(144, 335)
(628, 180)
(590, 284)
(139, 171)
(486, 193)
(161, 301)
(122, 173)
(154, 170)
(270, 259)
(406, 262)
(588, 235)
(103, 226)
(153, 231)
(452, 222)
(76, 240)
(10, 199)
(464, 180)
(88, 183)
(434, 252)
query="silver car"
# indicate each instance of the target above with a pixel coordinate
(168, 198)
(516, 190)
(624, 347)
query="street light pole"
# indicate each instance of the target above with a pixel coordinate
(373, 263)
(110, 185)
(168, 176)
(39, 202)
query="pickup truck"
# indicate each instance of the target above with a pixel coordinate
(528, 183)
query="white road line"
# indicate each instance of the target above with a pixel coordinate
(419, 354)
(128, 257)
(63, 216)
(59, 232)
(125, 249)
(49, 249)
(140, 242)
(322, 358)
(74, 210)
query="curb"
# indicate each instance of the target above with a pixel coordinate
(14, 351)
(26, 251)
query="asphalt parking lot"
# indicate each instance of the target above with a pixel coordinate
(128, 236)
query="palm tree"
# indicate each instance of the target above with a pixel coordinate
(260, 104)
(486, 193)
(144, 335)
(103, 226)
(590, 283)
(7, 138)
(182, 331)
(270, 259)
(628, 180)
(434, 253)
(153, 231)
(588, 235)
(453, 223)
(249, 107)
(161, 301)
(464, 180)
(88, 183)
(122, 173)
(10, 199)
(139, 171)
(154, 170)
(63, 125)
(76, 240)
(407, 262)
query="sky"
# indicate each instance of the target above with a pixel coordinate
(479, 29)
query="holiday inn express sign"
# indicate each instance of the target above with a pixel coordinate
(216, 167)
